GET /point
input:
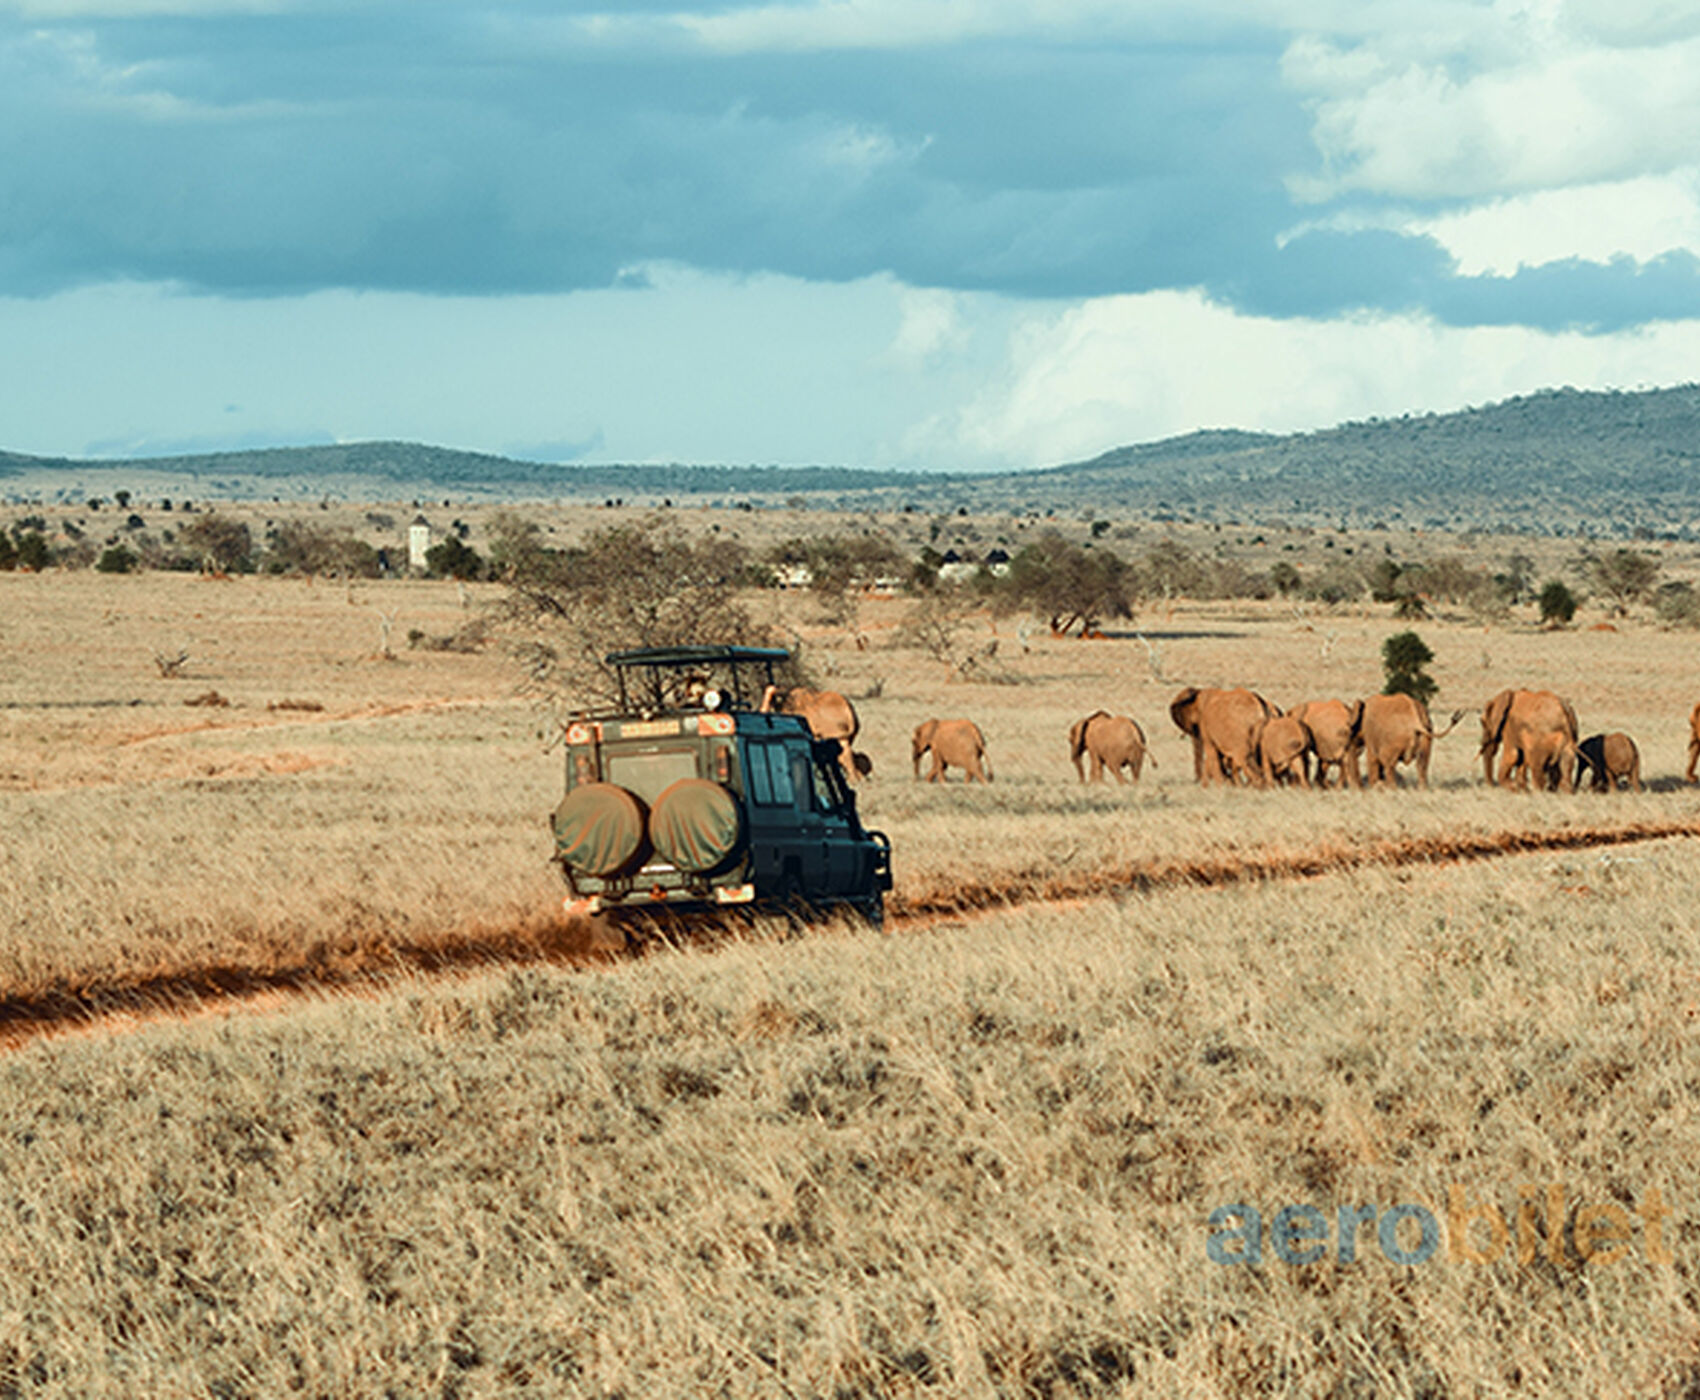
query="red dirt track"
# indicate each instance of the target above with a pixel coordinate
(101, 1006)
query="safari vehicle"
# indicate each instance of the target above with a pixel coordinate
(691, 796)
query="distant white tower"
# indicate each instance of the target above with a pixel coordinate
(418, 541)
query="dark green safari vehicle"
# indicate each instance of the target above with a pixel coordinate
(691, 795)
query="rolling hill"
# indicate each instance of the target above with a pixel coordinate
(1561, 461)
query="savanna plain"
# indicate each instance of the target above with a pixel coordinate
(310, 1089)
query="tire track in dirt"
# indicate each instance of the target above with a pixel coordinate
(100, 1006)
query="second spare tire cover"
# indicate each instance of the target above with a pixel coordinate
(599, 829)
(697, 825)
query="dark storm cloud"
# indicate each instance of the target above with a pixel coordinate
(443, 148)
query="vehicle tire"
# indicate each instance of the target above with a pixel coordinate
(602, 830)
(872, 908)
(697, 825)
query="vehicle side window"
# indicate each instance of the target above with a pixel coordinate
(761, 785)
(826, 793)
(802, 779)
(779, 766)
(770, 776)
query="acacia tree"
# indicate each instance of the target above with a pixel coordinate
(1625, 576)
(1069, 585)
(631, 585)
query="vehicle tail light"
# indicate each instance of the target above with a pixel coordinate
(716, 724)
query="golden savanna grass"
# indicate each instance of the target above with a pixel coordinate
(976, 1161)
(967, 1157)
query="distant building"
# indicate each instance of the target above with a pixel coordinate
(418, 541)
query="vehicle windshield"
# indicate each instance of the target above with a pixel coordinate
(651, 774)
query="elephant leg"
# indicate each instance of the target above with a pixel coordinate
(1507, 765)
(937, 773)
(1210, 767)
(1097, 767)
(1116, 768)
(1303, 772)
(1349, 769)
(1425, 747)
(1693, 758)
(1635, 774)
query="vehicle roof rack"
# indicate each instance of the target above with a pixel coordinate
(660, 685)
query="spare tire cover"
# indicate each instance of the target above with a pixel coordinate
(599, 828)
(697, 825)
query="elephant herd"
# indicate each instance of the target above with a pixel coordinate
(1239, 738)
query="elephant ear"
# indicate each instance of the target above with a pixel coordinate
(1077, 736)
(1493, 717)
(1181, 708)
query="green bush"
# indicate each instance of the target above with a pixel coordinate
(117, 560)
(33, 551)
(8, 552)
(451, 559)
(1558, 604)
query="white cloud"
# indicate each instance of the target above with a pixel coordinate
(1133, 369)
(1530, 103)
(1640, 218)
(931, 324)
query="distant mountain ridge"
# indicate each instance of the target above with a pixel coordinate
(1609, 462)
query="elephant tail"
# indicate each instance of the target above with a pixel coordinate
(1456, 716)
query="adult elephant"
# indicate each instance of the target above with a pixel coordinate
(1396, 729)
(1693, 743)
(1537, 731)
(829, 716)
(1224, 726)
(1333, 726)
(954, 743)
(1111, 741)
(1283, 751)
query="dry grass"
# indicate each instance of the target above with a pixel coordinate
(976, 1162)
(971, 1157)
(149, 837)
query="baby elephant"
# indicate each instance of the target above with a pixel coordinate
(1284, 750)
(1611, 758)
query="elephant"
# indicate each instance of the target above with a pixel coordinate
(1113, 741)
(1397, 729)
(1693, 744)
(1224, 726)
(1611, 757)
(1538, 731)
(1284, 750)
(954, 743)
(1333, 727)
(829, 716)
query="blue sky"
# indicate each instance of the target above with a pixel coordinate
(960, 234)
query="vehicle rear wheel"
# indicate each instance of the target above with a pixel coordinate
(600, 830)
(697, 826)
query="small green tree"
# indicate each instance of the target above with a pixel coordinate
(450, 558)
(1558, 605)
(117, 559)
(33, 552)
(1403, 656)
